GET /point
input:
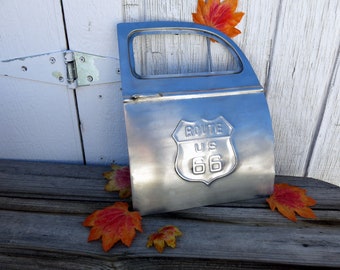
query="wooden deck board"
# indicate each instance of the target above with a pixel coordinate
(42, 207)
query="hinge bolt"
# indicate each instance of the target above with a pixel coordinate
(52, 60)
(90, 78)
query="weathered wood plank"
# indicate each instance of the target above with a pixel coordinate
(238, 212)
(306, 245)
(22, 168)
(306, 47)
(258, 33)
(46, 226)
(62, 187)
(51, 260)
(32, 259)
(325, 161)
(70, 206)
(42, 187)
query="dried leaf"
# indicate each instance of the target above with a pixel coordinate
(119, 180)
(112, 224)
(290, 200)
(164, 235)
(219, 15)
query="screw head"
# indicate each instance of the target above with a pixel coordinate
(24, 68)
(52, 60)
(61, 79)
(82, 59)
(90, 78)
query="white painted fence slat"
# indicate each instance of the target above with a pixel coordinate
(38, 121)
(292, 46)
(325, 162)
(91, 28)
(305, 49)
(258, 27)
(30, 27)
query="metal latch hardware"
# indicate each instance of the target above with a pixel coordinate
(71, 68)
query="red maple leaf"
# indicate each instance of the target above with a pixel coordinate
(112, 224)
(119, 180)
(219, 15)
(166, 234)
(290, 200)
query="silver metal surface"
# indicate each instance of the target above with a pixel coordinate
(194, 140)
(48, 68)
(71, 68)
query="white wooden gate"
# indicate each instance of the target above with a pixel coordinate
(292, 45)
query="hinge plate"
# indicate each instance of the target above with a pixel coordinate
(71, 68)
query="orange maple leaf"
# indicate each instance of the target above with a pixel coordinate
(219, 15)
(166, 234)
(290, 200)
(112, 224)
(119, 180)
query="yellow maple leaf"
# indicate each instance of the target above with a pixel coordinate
(119, 180)
(165, 235)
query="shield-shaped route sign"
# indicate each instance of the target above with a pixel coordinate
(204, 150)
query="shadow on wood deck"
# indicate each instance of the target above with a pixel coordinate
(42, 206)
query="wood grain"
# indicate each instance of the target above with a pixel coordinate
(42, 211)
(258, 50)
(302, 62)
(325, 162)
(292, 46)
(258, 28)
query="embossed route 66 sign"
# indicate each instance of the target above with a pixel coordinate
(204, 150)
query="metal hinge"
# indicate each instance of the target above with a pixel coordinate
(71, 68)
